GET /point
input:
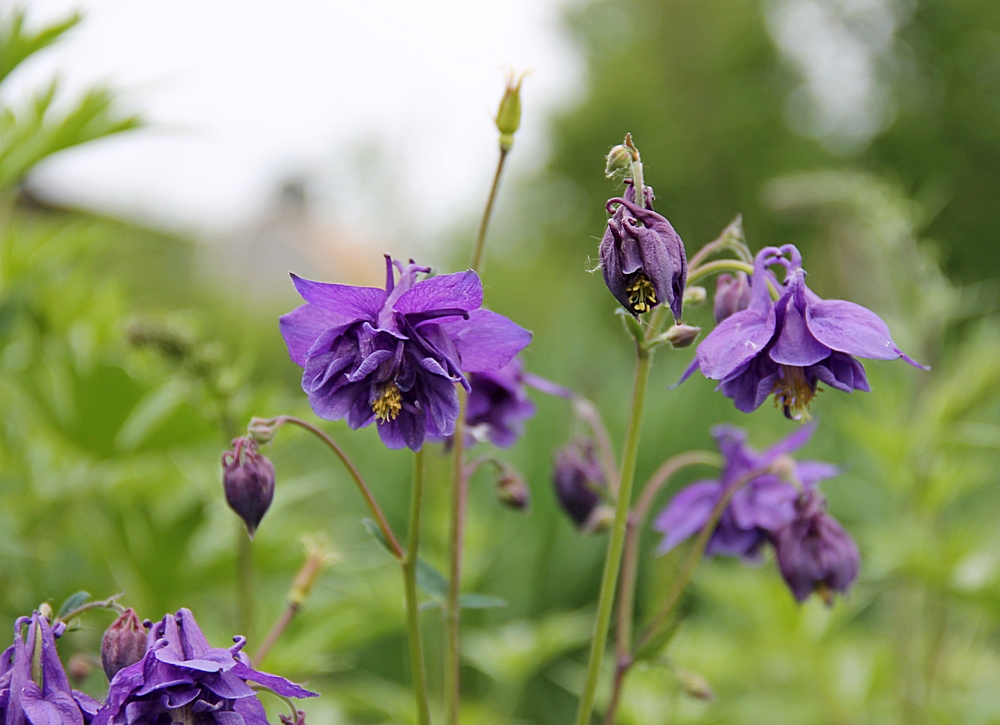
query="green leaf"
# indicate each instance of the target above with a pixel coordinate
(74, 602)
(431, 581)
(481, 601)
(376, 532)
(16, 45)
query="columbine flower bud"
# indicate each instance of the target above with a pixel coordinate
(248, 479)
(512, 491)
(695, 295)
(508, 118)
(682, 335)
(579, 481)
(732, 295)
(814, 552)
(619, 159)
(123, 644)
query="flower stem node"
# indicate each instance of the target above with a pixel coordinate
(248, 481)
(123, 643)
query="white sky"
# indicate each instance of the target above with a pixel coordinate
(240, 93)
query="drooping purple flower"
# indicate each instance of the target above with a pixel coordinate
(498, 403)
(579, 481)
(392, 357)
(762, 504)
(184, 679)
(41, 697)
(787, 348)
(642, 257)
(248, 482)
(814, 552)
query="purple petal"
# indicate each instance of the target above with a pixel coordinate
(810, 473)
(228, 717)
(461, 290)
(192, 638)
(736, 341)
(303, 326)
(850, 328)
(57, 708)
(795, 345)
(486, 341)
(251, 710)
(767, 502)
(227, 685)
(687, 513)
(792, 442)
(347, 302)
(278, 684)
(750, 386)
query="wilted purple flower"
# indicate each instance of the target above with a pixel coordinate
(184, 679)
(248, 480)
(41, 697)
(642, 257)
(814, 552)
(790, 346)
(123, 643)
(763, 504)
(579, 481)
(498, 404)
(393, 356)
(732, 295)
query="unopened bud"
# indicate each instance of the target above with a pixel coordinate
(682, 335)
(263, 430)
(695, 295)
(512, 491)
(694, 684)
(248, 480)
(579, 481)
(599, 521)
(784, 468)
(123, 644)
(508, 118)
(732, 295)
(619, 160)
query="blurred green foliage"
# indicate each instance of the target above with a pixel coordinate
(124, 373)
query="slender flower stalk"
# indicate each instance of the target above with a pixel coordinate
(267, 427)
(409, 563)
(456, 543)
(477, 254)
(719, 265)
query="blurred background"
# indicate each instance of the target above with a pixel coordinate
(164, 165)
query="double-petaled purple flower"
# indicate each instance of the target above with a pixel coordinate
(393, 356)
(498, 403)
(763, 503)
(773, 499)
(33, 685)
(183, 679)
(788, 347)
(642, 257)
(814, 552)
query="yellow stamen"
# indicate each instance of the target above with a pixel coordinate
(389, 403)
(641, 294)
(793, 393)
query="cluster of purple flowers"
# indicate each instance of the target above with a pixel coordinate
(174, 676)
(774, 500)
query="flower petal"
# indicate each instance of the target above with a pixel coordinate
(461, 290)
(795, 345)
(736, 340)
(687, 513)
(486, 341)
(850, 328)
(348, 302)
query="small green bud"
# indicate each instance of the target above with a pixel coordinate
(619, 160)
(508, 118)
(682, 335)
(695, 295)
(694, 684)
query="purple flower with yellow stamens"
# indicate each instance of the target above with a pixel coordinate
(763, 504)
(642, 257)
(789, 346)
(392, 357)
(183, 679)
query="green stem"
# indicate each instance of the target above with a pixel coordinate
(383, 524)
(477, 254)
(244, 580)
(410, 583)
(109, 603)
(456, 541)
(719, 265)
(612, 563)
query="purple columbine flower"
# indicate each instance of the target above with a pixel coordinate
(498, 403)
(183, 679)
(579, 481)
(790, 346)
(41, 697)
(814, 552)
(392, 357)
(642, 257)
(762, 505)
